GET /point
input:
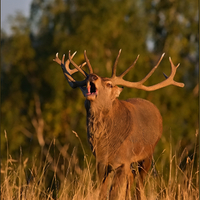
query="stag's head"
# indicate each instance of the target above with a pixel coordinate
(103, 91)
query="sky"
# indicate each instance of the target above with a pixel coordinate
(10, 7)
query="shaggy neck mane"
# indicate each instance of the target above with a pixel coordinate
(104, 124)
(98, 122)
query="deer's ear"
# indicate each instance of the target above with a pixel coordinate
(117, 91)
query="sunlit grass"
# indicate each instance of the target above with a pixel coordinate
(179, 179)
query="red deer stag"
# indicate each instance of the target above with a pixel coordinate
(120, 132)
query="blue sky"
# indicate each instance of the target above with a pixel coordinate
(10, 7)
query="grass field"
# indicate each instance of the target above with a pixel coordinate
(176, 179)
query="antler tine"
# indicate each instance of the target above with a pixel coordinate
(152, 71)
(57, 59)
(75, 65)
(68, 61)
(68, 72)
(65, 66)
(115, 65)
(139, 85)
(173, 72)
(127, 70)
(72, 71)
(88, 63)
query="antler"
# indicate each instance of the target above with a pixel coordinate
(88, 63)
(118, 80)
(69, 72)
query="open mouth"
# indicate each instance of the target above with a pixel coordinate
(91, 89)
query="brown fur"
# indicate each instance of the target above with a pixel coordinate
(121, 133)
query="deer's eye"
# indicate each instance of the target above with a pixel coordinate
(109, 85)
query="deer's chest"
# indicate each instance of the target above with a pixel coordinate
(107, 135)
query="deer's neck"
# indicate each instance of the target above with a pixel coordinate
(97, 118)
(98, 122)
(103, 127)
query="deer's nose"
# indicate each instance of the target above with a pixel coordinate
(93, 77)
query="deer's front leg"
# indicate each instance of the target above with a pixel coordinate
(118, 183)
(103, 172)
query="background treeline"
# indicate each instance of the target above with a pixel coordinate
(37, 105)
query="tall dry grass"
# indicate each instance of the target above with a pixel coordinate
(178, 180)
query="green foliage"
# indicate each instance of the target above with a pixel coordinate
(37, 103)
